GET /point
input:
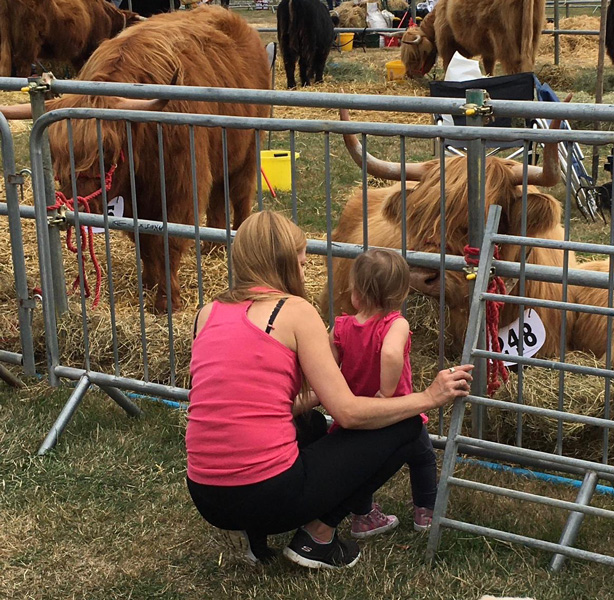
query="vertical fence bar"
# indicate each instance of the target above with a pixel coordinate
(293, 176)
(563, 344)
(167, 262)
(557, 40)
(227, 204)
(475, 161)
(442, 267)
(137, 246)
(329, 233)
(37, 99)
(196, 204)
(79, 239)
(258, 133)
(107, 242)
(521, 286)
(365, 197)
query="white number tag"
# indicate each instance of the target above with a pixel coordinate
(115, 208)
(533, 337)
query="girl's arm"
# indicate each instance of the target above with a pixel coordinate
(393, 357)
(303, 404)
(333, 348)
(359, 412)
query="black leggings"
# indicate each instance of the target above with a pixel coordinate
(330, 479)
(422, 473)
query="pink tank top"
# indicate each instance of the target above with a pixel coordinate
(360, 347)
(244, 382)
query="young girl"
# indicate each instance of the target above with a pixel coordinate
(372, 348)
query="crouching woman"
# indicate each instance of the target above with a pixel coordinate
(255, 348)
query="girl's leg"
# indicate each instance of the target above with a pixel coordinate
(423, 471)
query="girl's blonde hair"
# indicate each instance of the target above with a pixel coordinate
(264, 254)
(380, 280)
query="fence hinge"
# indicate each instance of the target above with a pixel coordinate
(15, 179)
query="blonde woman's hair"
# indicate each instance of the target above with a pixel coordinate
(264, 254)
(380, 280)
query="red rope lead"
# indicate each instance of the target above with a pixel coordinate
(495, 369)
(87, 236)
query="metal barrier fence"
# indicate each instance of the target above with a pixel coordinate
(84, 367)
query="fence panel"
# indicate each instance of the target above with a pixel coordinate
(152, 364)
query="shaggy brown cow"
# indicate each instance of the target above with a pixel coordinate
(208, 46)
(507, 31)
(64, 30)
(503, 177)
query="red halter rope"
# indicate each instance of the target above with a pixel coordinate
(495, 369)
(87, 236)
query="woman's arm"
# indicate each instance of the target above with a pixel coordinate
(392, 357)
(359, 412)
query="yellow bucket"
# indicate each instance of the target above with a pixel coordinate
(395, 69)
(346, 41)
(277, 169)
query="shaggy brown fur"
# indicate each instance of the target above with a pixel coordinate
(208, 46)
(584, 332)
(507, 31)
(64, 30)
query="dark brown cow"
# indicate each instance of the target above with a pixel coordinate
(507, 31)
(503, 178)
(63, 30)
(208, 46)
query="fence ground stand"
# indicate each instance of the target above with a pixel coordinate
(571, 529)
(72, 404)
(9, 378)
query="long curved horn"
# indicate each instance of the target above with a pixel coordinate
(152, 105)
(140, 104)
(17, 111)
(24, 111)
(549, 174)
(413, 42)
(376, 167)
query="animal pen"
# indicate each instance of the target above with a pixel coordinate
(89, 346)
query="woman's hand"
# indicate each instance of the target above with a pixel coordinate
(450, 384)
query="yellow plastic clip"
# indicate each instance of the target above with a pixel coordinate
(470, 276)
(470, 112)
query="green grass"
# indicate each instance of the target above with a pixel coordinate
(107, 515)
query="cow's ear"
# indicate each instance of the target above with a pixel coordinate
(543, 214)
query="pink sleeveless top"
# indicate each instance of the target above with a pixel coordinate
(244, 382)
(360, 347)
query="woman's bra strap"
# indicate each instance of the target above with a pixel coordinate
(274, 315)
(196, 322)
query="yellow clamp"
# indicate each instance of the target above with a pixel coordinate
(470, 273)
(28, 88)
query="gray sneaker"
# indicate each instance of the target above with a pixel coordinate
(336, 554)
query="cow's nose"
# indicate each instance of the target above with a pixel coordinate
(426, 282)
